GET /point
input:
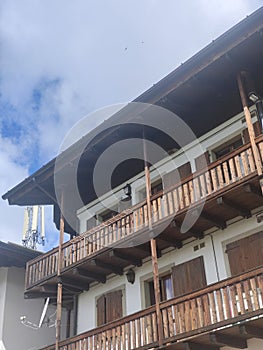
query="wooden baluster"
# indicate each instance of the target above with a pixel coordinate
(159, 208)
(202, 185)
(186, 195)
(128, 335)
(182, 317)
(232, 170)
(226, 173)
(220, 305)
(214, 179)
(191, 191)
(170, 321)
(165, 323)
(136, 220)
(226, 303)
(118, 230)
(246, 286)
(245, 163)
(123, 337)
(260, 146)
(133, 334)
(113, 339)
(154, 323)
(251, 161)
(144, 342)
(145, 210)
(238, 166)
(194, 317)
(139, 338)
(187, 316)
(240, 297)
(208, 182)
(233, 294)
(213, 307)
(141, 217)
(176, 200)
(155, 210)
(200, 311)
(119, 337)
(207, 315)
(114, 232)
(178, 325)
(260, 285)
(220, 176)
(123, 228)
(181, 197)
(197, 188)
(254, 292)
(165, 206)
(170, 203)
(149, 329)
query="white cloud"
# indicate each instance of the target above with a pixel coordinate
(61, 60)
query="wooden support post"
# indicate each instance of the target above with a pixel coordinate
(153, 251)
(249, 125)
(59, 279)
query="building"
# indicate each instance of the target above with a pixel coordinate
(172, 256)
(19, 318)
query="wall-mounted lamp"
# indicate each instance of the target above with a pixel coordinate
(127, 192)
(257, 99)
(130, 276)
(254, 97)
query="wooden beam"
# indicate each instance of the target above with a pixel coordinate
(191, 231)
(113, 268)
(89, 275)
(228, 340)
(198, 346)
(148, 250)
(248, 188)
(77, 285)
(172, 242)
(241, 210)
(215, 221)
(126, 257)
(252, 331)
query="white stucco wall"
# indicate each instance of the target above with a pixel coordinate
(15, 335)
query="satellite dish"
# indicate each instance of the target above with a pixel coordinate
(43, 313)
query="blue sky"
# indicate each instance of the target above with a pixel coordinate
(61, 60)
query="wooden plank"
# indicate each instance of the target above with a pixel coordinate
(226, 173)
(220, 176)
(240, 298)
(226, 302)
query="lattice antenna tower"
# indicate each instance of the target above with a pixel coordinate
(34, 227)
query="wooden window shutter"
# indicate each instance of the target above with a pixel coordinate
(202, 161)
(257, 130)
(245, 254)
(189, 276)
(175, 176)
(101, 310)
(113, 305)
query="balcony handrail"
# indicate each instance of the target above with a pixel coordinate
(253, 274)
(94, 233)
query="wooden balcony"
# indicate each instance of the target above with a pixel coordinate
(226, 189)
(225, 313)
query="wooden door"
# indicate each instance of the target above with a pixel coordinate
(189, 276)
(245, 254)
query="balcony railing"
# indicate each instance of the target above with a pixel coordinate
(212, 181)
(218, 305)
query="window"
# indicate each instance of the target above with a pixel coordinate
(227, 147)
(109, 307)
(166, 289)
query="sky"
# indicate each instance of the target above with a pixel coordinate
(62, 60)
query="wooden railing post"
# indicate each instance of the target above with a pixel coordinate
(250, 126)
(153, 249)
(59, 279)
